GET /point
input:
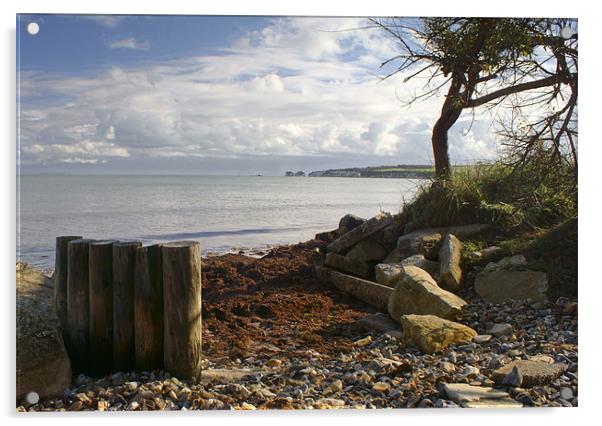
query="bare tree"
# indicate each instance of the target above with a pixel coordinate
(528, 65)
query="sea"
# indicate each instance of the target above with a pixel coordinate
(224, 213)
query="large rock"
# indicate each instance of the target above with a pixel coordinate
(500, 286)
(433, 334)
(389, 235)
(367, 250)
(450, 254)
(343, 263)
(533, 373)
(387, 274)
(420, 261)
(425, 242)
(43, 365)
(417, 293)
(367, 291)
(349, 222)
(363, 231)
(477, 396)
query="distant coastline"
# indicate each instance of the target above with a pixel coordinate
(398, 171)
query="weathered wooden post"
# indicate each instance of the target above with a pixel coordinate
(78, 311)
(101, 307)
(148, 308)
(182, 309)
(60, 278)
(124, 259)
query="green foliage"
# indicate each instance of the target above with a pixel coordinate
(509, 199)
(486, 42)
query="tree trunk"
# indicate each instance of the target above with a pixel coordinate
(60, 278)
(78, 310)
(148, 308)
(182, 309)
(124, 260)
(101, 307)
(449, 115)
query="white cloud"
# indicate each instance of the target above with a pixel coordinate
(130, 43)
(297, 87)
(109, 21)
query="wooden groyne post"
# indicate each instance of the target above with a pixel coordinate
(124, 261)
(101, 307)
(78, 313)
(182, 309)
(60, 278)
(129, 307)
(148, 308)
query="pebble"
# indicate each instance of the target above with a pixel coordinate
(376, 371)
(566, 393)
(499, 330)
(514, 378)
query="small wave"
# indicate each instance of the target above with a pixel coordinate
(209, 234)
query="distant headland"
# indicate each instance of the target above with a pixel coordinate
(398, 171)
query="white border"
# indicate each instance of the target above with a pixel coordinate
(590, 153)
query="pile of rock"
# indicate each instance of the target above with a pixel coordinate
(421, 276)
(413, 279)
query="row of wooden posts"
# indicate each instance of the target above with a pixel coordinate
(125, 307)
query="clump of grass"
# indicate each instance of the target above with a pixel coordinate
(510, 200)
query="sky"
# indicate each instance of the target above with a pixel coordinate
(220, 95)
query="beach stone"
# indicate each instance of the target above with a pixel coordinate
(510, 263)
(361, 232)
(534, 372)
(349, 222)
(450, 254)
(499, 286)
(367, 250)
(343, 263)
(494, 403)
(43, 365)
(387, 274)
(499, 330)
(377, 322)
(471, 396)
(432, 334)
(566, 393)
(394, 257)
(482, 338)
(391, 233)
(420, 261)
(514, 378)
(370, 292)
(425, 242)
(417, 293)
(542, 358)
(229, 375)
(487, 252)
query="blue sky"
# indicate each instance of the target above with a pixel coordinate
(219, 95)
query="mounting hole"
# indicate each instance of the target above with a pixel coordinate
(33, 28)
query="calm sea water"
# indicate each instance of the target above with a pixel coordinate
(223, 213)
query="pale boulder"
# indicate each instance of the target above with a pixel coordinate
(417, 293)
(387, 274)
(43, 365)
(343, 263)
(450, 255)
(433, 334)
